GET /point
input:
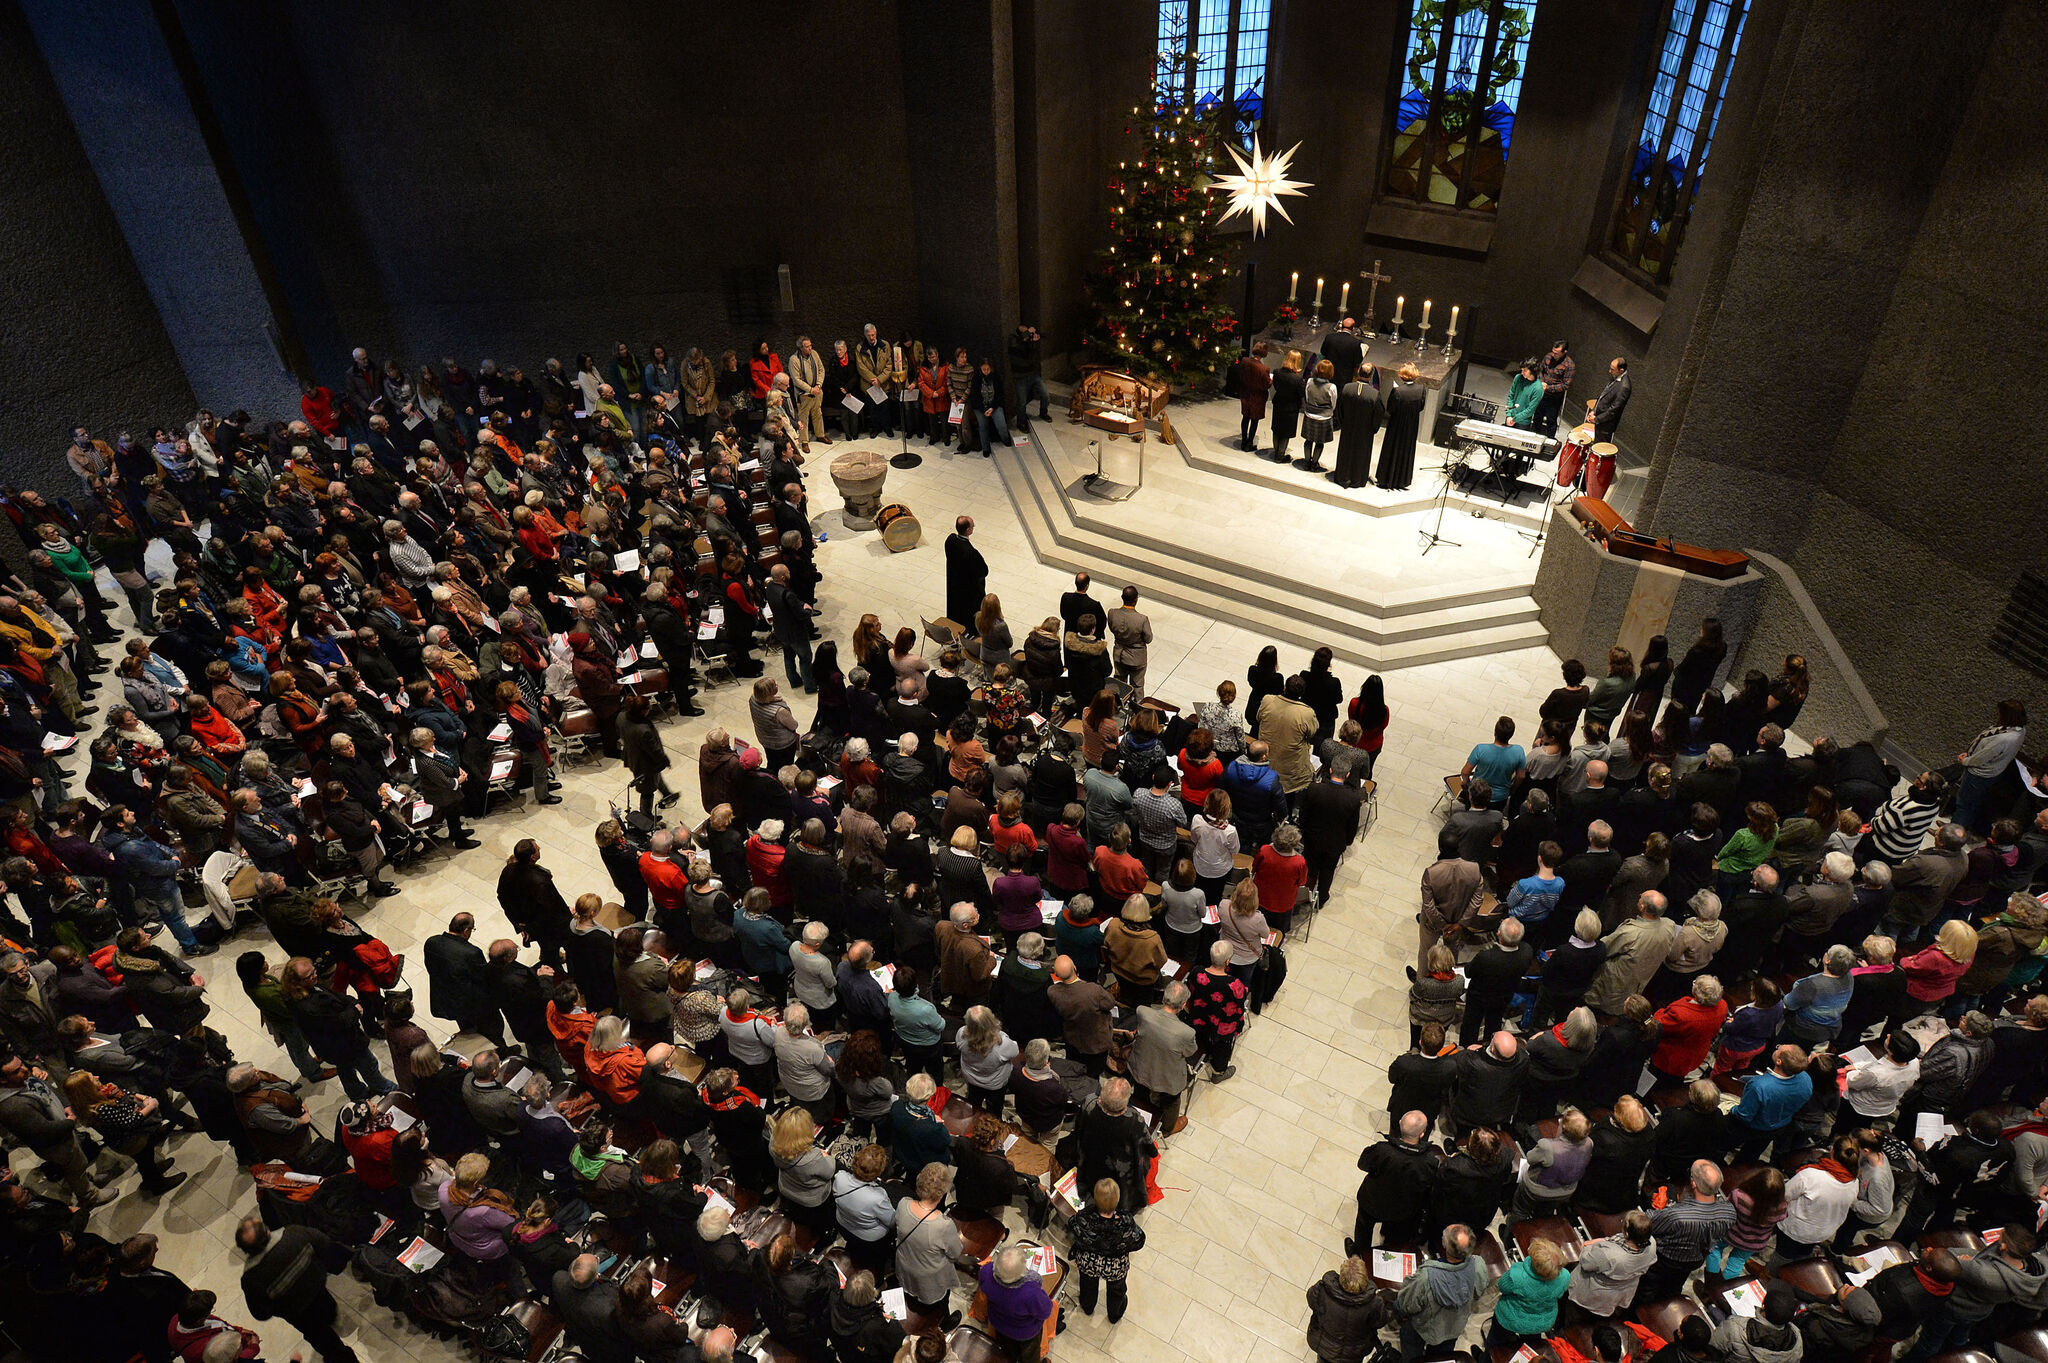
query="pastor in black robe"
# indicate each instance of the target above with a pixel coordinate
(1397, 450)
(1359, 415)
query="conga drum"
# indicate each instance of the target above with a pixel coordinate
(899, 527)
(1575, 446)
(1600, 468)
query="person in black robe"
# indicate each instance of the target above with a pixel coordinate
(1359, 416)
(1404, 419)
(1344, 348)
(1288, 385)
(966, 574)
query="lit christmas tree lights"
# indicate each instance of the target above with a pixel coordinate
(1154, 297)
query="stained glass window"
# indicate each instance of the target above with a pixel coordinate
(1460, 82)
(1227, 41)
(1670, 155)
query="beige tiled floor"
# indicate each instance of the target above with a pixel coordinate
(1257, 1189)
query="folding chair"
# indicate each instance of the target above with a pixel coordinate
(218, 880)
(575, 736)
(943, 631)
(1453, 791)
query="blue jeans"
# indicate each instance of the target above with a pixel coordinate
(1970, 793)
(1026, 387)
(1002, 426)
(172, 911)
(1941, 1334)
(295, 1046)
(360, 1077)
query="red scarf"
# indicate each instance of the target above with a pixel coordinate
(1832, 1167)
(1934, 1289)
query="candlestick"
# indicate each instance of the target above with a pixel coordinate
(1319, 291)
(1344, 297)
(1400, 302)
(1293, 285)
(1425, 314)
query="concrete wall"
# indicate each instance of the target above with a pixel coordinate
(81, 340)
(1929, 503)
(524, 181)
(122, 85)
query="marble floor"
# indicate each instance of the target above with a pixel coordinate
(1259, 1185)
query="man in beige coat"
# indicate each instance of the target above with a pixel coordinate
(806, 370)
(1288, 727)
(1635, 951)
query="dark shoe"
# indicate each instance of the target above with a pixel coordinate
(382, 890)
(1350, 1248)
(325, 1074)
(668, 801)
(550, 800)
(465, 843)
(1218, 1076)
(162, 1186)
(198, 949)
(691, 712)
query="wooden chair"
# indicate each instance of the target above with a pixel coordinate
(1453, 791)
(1713, 1298)
(1381, 1276)
(1555, 1229)
(1811, 1277)
(1600, 1225)
(1487, 1247)
(1662, 1318)
(1965, 1356)
(2031, 1344)
(943, 631)
(1958, 1241)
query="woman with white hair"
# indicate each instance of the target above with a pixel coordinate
(929, 1253)
(1686, 1031)
(1017, 1305)
(988, 1058)
(1699, 937)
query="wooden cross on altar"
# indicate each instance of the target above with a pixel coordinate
(1374, 279)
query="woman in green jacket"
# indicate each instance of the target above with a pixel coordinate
(1525, 390)
(1529, 1294)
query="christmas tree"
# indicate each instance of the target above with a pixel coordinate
(1153, 300)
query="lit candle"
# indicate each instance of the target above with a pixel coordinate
(1293, 284)
(1319, 291)
(1425, 314)
(1344, 297)
(1400, 302)
(1452, 333)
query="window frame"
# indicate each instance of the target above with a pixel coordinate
(1229, 91)
(1434, 136)
(1687, 193)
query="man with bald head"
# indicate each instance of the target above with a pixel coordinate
(1687, 1228)
(1084, 1008)
(1394, 1194)
(1487, 1084)
(589, 1307)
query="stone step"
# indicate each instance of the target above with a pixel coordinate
(1478, 588)
(1205, 452)
(1354, 634)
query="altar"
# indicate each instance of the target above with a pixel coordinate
(1435, 368)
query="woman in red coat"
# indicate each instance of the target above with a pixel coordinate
(1254, 381)
(1280, 871)
(1689, 1028)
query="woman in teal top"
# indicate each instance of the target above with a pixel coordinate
(1529, 1294)
(1525, 390)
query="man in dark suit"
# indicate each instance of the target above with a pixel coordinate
(1344, 349)
(669, 629)
(455, 981)
(520, 992)
(1754, 918)
(1586, 876)
(966, 575)
(673, 1103)
(1490, 980)
(1330, 813)
(1077, 603)
(589, 1307)
(438, 776)
(1592, 803)
(1717, 783)
(1762, 772)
